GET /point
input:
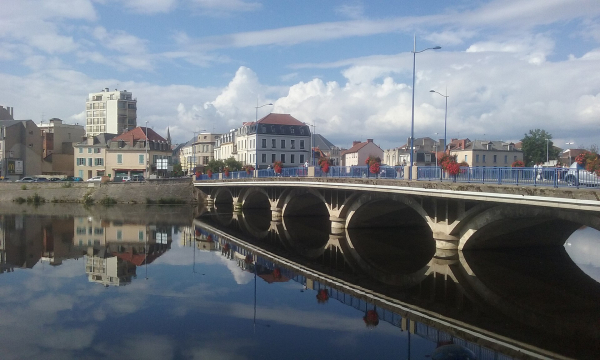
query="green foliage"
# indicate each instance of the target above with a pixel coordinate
(23, 187)
(165, 201)
(19, 200)
(534, 147)
(106, 201)
(67, 184)
(177, 170)
(87, 199)
(217, 166)
(35, 199)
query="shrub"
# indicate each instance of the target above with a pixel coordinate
(35, 199)
(23, 187)
(19, 200)
(106, 201)
(87, 199)
(67, 184)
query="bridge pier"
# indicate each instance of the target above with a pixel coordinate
(338, 225)
(444, 241)
(276, 214)
(209, 201)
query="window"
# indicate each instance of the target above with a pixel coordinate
(484, 159)
(98, 231)
(140, 235)
(301, 158)
(81, 231)
(506, 159)
(272, 158)
(119, 158)
(119, 235)
(301, 144)
(264, 158)
(283, 158)
(99, 162)
(90, 162)
(80, 161)
(81, 150)
(477, 158)
(264, 143)
(495, 157)
(97, 150)
(292, 159)
(282, 144)
(427, 157)
(89, 150)
(141, 159)
(292, 144)
(273, 143)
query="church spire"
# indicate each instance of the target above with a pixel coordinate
(168, 136)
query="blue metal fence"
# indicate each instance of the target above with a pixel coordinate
(553, 177)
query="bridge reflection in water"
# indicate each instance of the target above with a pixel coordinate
(501, 304)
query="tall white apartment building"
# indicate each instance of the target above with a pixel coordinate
(113, 112)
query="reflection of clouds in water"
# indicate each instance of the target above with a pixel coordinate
(140, 346)
(584, 249)
(53, 303)
(211, 346)
(240, 276)
(68, 269)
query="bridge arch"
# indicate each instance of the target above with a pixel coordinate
(512, 226)
(222, 195)
(302, 202)
(254, 198)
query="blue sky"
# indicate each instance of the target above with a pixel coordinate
(509, 66)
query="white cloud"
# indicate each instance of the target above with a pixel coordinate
(150, 7)
(223, 7)
(352, 11)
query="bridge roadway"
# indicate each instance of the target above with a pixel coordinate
(460, 216)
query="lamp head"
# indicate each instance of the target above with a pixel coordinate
(431, 90)
(437, 48)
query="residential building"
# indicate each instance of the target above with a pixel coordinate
(197, 152)
(140, 151)
(20, 148)
(567, 156)
(360, 152)
(57, 146)
(332, 152)
(424, 153)
(487, 153)
(113, 112)
(275, 137)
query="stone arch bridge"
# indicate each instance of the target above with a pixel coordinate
(459, 216)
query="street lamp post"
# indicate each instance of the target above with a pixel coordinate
(256, 121)
(547, 158)
(412, 121)
(570, 143)
(147, 162)
(445, 114)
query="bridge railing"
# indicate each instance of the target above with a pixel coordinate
(555, 177)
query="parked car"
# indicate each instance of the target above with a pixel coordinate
(95, 179)
(26, 179)
(54, 179)
(41, 179)
(5, 179)
(578, 175)
(122, 179)
(72, 178)
(138, 178)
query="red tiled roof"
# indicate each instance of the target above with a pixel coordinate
(355, 148)
(139, 133)
(280, 119)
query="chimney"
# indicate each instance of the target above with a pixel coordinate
(369, 140)
(106, 89)
(354, 143)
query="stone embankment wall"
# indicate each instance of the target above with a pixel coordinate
(127, 192)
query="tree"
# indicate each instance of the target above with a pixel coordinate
(534, 147)
(177, 171)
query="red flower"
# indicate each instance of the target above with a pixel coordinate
(453, 168)
(325, 167)
(226, 171)
(197, 232)
(374, 168)
(209, 238)
(198, 174)
(371, 318)
(226, 248)
(209, 173)
(518, 163)
(277, 273)
(322, 296)
(277, 166)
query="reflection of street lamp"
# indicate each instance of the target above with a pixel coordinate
(146, 167)
(256, 123)
(412, 122)
(445, 114)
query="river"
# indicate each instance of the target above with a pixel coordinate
(194, 283)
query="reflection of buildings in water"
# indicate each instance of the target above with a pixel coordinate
(114, 249)
(190, 235)
(24, 240)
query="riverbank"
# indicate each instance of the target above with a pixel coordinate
(170, 191)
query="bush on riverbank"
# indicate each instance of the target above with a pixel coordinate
(108, 201)
(165, 201)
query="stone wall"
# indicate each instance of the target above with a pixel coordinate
(126, 192)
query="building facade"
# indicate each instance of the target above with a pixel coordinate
(275, 137)
(140, 151)
(487, 153)
(20, 149)
(57, 146)
(198, 152)
(360, 152)
(332, 152)
(113, 112)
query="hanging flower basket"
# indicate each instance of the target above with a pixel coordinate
(249, 169)
(374, 163)
(322, 296)
(278, 167)
(324, 163)
(371, 318)
(209, 173)
(226, 172)
(518, 163)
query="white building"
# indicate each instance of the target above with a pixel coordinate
(360, 152)
(198, 152)
(113, 112)
(275, 137)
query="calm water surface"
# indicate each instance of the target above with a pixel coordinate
(169, 283)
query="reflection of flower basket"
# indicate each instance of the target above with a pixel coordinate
(277, 273)
(226, 248)
(209, 238)
(322, 296)
(248, 259)
(198, 174)
(371, 318)
(197, 232)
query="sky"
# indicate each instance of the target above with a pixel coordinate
(344, 67)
